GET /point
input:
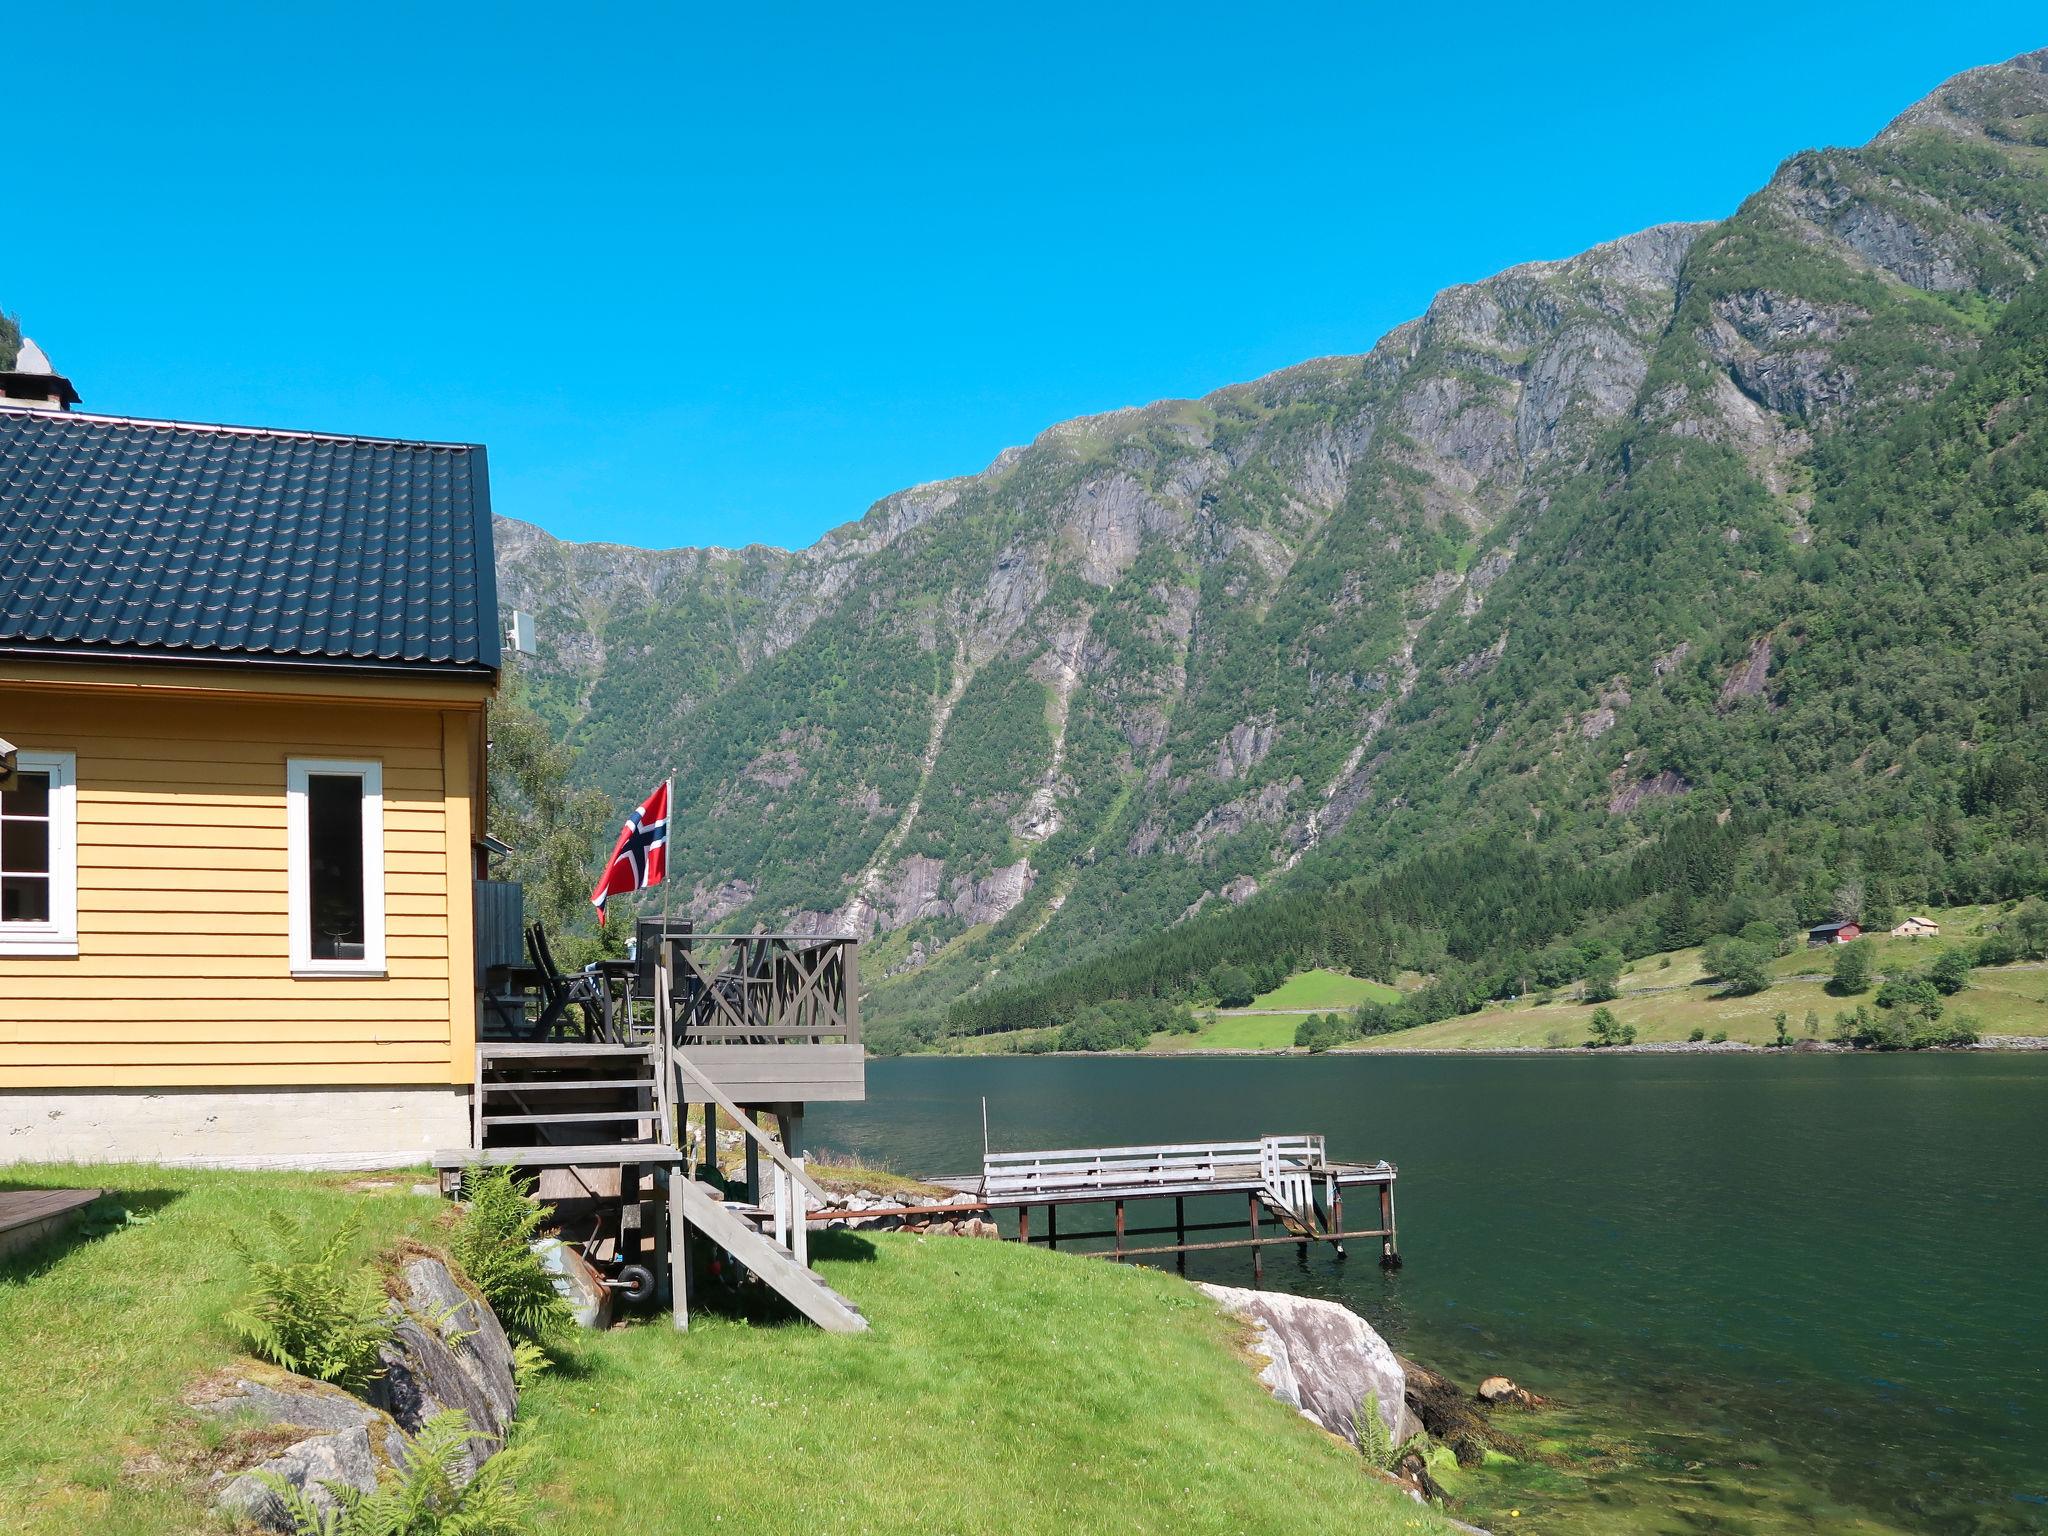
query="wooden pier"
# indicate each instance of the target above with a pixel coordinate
(1286, 1182)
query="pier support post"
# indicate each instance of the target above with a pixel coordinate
(1258, 1259)
(1119, 1231)
(1337, 1217)
(1024, 1224)
(1052, 1226)
(1180, 1233)
(1390, 1253)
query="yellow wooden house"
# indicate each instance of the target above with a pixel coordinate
(243, 675)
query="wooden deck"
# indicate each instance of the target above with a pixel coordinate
(27, 1216)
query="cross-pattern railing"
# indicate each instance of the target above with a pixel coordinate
(763, 989)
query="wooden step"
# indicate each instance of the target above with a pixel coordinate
(556, 1084)
(571, 1117)
(610, 1154)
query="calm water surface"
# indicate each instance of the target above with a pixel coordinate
(1813, 1289)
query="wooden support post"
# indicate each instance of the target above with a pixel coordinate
(678, 1253)
(1052, 1226)
(1258, 1260)
(1119, 1230)
(1024, 1225)
(753, 1165)
(711, 1138)
(1390, 1253)
(1180, 1233)
(1337, 1216)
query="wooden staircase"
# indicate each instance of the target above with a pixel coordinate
(734, 1229)
(564, 1104)
(555, 1105)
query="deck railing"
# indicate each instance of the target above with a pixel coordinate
(764, 989)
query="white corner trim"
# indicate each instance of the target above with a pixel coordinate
(58, 937)
(298, 869)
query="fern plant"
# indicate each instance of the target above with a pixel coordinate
(310, 1308)
(493, 1242)
(425, 1496)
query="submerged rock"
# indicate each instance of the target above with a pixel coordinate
(1323, 1360)
(1453, 1418)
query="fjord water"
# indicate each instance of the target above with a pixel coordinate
(1778, 1294)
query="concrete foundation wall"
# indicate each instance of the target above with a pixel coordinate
(380, 1127)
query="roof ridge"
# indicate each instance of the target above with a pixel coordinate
(18, 409)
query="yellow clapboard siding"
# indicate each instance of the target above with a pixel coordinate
(340, 1001)
(206, 838)
(110, 909)
(183, 972)
(141, 777)
(218, 1031)
(154, 750)
(240, 1052)
(439, 1072)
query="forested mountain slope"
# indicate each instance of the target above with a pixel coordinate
(1736, 525)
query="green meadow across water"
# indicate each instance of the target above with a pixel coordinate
(1773, 1294)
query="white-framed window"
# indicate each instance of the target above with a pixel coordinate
(334, 839)
(39, 856)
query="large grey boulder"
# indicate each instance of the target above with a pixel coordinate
(469, 1327)
(1323, 1360)
(447, 1351)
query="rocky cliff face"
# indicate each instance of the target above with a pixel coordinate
(1166, 655)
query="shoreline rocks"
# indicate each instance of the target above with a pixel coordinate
(1324, 1361)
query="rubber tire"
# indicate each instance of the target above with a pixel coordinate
(636, 1282)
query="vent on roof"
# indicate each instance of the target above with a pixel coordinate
(33, 382)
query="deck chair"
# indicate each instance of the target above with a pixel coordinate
(561, 993)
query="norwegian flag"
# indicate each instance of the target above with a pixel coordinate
(641, 857)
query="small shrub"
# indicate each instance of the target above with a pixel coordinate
(1697, 1035)
(311, 1307)
(1783, 1026)
(427, 1498)
(493, 1245)
(1812, 1025)
(1374, 1443)
(1719, 1037)
(1608, 1031)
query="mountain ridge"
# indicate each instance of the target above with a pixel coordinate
(1164, 657)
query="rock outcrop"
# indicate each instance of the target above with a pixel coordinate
(345, 1441)
(1323, 1360)
(447, 1350)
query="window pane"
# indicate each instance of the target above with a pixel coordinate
(24, 899)
(334, 826)
(25, 847)
(30, 798)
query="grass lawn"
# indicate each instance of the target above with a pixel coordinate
(1233, 1032)
(99, 1337)
(1321, 991)
(2004, 1001)
(999, 1390)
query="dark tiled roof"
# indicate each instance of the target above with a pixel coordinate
(166, 539)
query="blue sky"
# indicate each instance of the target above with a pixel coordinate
(721, 278)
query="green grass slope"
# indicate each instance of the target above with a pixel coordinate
(1000, 1390)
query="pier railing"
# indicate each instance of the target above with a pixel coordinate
(1269, 1159)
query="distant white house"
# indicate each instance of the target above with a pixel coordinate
(1917, 928)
